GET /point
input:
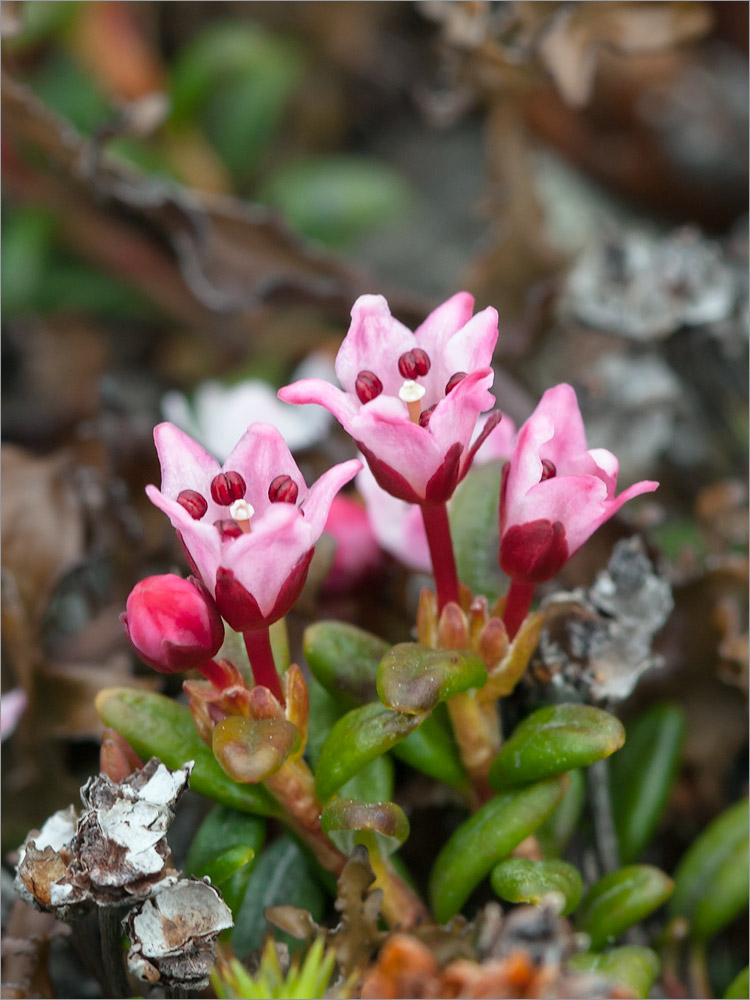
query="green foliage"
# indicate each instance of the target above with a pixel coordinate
(225, 848)
(555, 832)
(520, 880)
(553, 740)
(739, 988)
(345, 660)
(620, 899)
(643, 773)
(633, 967)
(475, 530)
(305, 981)
(413, 678)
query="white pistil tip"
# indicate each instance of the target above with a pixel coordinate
(241, 510)
(411, 391)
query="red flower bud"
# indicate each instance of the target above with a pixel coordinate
(173, 624)
(227, 487)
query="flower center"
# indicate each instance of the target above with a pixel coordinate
(411, 393)
(194, 503)
(283, 489)
(414, 363)
(453, 381)
(241, 512)
(367, 386)
(549, 470)
(227, 487)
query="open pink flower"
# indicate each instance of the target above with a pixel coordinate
(555, 491)
(411, 400)
(248, 526)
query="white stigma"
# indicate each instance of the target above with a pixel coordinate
(242, 511)
(411, 391)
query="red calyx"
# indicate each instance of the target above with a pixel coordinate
(413, 363)
(368, 386)
(534, 551)
(549, 470)
(195, 504)
(283, 489)
(228, 528)
(453, 381)
(424, 416)
(227, 487)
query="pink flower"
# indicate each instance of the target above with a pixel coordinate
(411, 400)
(357, 555)
(555, 492)
(249, 526)
(172, 623)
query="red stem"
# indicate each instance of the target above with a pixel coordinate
(214, 673)
(435, 517)
(517, 604)
(260, 654)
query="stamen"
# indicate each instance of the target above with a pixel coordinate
(424, 416)
(283, 489)
(195, 504)
(368, 386)
(228, 528)
(227, 487)
(453, 381)
(549, 470)
(411, 393)
(413, 363)
(242, 511)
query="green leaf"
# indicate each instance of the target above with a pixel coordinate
(621, 899)
(726, 897)
(66, 89)
(373, 783)
(555, 832)
(345, 660)
(348, 822)
(739, 988)
(324, 714)
(250, 750)
(413, 678)
(156, 726)
(475, 531)
(643, 774)
(226, 838)
(25, 250)
(357, 739)
(553, 740)
(520, 880)
(336, 198)
(633, 967)
(281, 876)
(485, 839)
(432, 750)
(703, 860)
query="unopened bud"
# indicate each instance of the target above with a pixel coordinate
(453, 630)
(173, 624)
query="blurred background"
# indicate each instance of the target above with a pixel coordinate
(195, 193)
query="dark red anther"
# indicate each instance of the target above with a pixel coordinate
(194, 503)
(227, 487)
(549, 470)
(228, 528)
(368, 386)
(424, 416)
(413, 363)
(453, 381)
(283, 489)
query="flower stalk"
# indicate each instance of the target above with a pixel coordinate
(437, 528)
(517, 605)
(260, 654)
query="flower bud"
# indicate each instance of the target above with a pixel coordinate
(173, 624)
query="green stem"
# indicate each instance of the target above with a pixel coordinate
(260, 654)
(437, 527)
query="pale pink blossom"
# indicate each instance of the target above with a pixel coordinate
(357, 555)
(556, 491)
(249, 526)
(411, 401)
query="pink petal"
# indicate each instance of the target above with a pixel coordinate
(398, 525)
(455, 416)
(200, 537)
(12, 706)
(184, 464)
(319, 499)
(260, 456)
(560, 405)
(472, 347)
(579, 502)
(434, 333)
(375, 342)
(316, 390)
(500, 442)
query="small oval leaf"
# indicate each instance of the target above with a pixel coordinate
(413, 678)
(553, 740)
(643, 774)
(485, 839)
(250, 750)
(555, 832)
(634, 967)
(520, 880)
(156, 726)
(225, 848)
(739, 988)
(621, 899)
(345, 660)
(726, 896)
(476, 532)
(432, 750)
(385, 822)
(357, 739)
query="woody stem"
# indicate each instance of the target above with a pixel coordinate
(260, 654)
(517, 605)
(435, 517)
